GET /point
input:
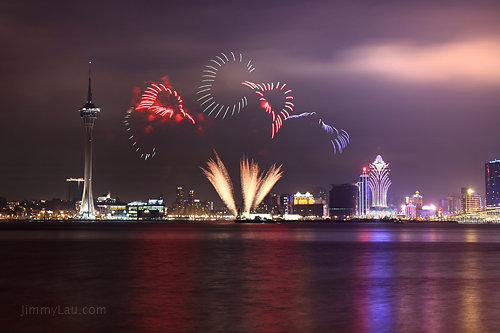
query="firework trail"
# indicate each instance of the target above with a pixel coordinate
(341, 139)
(208, 79)
(284, 113)
(251, 180)
(304, 114)
(267, 183)
(145, 153)
(217, 174)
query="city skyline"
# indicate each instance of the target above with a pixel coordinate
(344, 70)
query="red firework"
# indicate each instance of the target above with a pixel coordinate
(157, 98)
(278, 117)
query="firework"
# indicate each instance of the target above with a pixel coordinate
(267, 183)
(254, 185)
(209, 77)
(159, 99)
(136, 116)
(341, 139)
(278, 117)
(158, 103)
(303, 114)
(217, 174)
(251, 180)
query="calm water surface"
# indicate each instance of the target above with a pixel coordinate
(227, 277)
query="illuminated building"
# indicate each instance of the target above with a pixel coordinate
(89, 114)
(470, 201)
(269, 205)
(343, 200)
(410, 211)
(189, 205)
(111, 208)
(428, 211)
(151, 210)
(306, 205)
(492, 180)
(379, 182)
(450, 206)
(363, 195)
(286, 204)
(417, 200)
(178, 205)
(319, 192)
(303, 199)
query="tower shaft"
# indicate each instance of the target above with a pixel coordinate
(87, 206)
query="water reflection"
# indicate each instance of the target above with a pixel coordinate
(225, 277)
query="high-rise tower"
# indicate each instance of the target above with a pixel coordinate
(492, 175)
(379, 182)
(89, 114)
(363, 195)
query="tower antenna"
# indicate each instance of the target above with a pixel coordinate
(89, 95)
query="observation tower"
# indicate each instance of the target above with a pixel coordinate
(89, 114)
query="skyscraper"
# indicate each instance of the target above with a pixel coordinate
(178, 207)
(89, 114)
(470, 201)
(343, 201)
(363, 195)
(492, 181)
(379, 182)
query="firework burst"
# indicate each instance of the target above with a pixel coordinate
(278, 116)
(217, 174)
(341, 139)
(209, 78)
(272, 176)
(151, 113)
(161, 100)
(251, 180)
(254, 185)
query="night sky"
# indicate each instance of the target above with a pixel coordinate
(419, 82)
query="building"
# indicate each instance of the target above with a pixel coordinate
(269, 205)
(363, 198)
(492, 182)
(189, 204)
(450, 206)
(470, 201)
(89, 114)
(410, 211)
(286, 204)
(319, 192)
(379, 182)
(153, 209)
(305, 205)
(303, 199)
(111, 208)
(178, 204)
(343, 201)
(417, 200)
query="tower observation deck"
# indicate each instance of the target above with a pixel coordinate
(89, 114)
